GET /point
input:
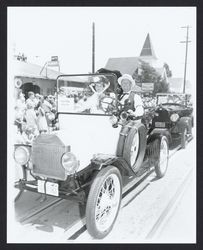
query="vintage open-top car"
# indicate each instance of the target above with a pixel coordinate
(98, 144)
(173, 116)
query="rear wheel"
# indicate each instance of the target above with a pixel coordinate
(184, 138)
(103, 202)
(161, 163)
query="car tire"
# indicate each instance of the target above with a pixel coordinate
(161, 162)
(184, 138)
(103, 202)
(134, 154)
(121, 141)
(120, 146)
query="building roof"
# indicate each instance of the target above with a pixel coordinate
(147, 50)
(126, 65)
(20, 68)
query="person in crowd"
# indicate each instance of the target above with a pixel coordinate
(30, 116)
(19, 139)
(31, 99)
(37, 99)
(46, 105)
(20, 110)
(51, 100)
(28, 135)
(131, 101)
(41, 119)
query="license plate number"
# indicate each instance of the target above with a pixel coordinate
(47, 187)
(160, 124)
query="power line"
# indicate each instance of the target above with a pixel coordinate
(93, 47)
(186, 50)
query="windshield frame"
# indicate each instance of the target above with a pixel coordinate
(92, 74)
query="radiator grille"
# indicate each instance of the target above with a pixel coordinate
(46, 160)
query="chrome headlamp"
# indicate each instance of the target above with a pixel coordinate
(21, 155)
(69, 163)
(124, 115)
(174, 117)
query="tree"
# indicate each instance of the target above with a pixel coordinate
(168, 71)
(148, 74)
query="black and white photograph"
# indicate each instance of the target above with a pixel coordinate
(101, 121)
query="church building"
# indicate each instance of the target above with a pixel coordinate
(131, 65)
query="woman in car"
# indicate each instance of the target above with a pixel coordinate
(91, 103)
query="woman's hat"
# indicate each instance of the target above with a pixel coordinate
(127, 77)
(99, 79)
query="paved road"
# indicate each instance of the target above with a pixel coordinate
(180, 227)
(136, 219)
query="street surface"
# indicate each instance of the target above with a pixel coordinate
(158, 210)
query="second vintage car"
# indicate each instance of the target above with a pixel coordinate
(173, 117)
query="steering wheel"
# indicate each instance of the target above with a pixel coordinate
(107, 103)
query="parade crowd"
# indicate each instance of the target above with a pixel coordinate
(33, 116)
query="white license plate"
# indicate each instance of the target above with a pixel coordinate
(47, 187)
(160, 124)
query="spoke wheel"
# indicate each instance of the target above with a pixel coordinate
(163, 152)
(103, 202)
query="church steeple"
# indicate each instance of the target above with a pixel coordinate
(147, 50)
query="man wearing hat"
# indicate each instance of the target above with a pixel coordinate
(132, 101)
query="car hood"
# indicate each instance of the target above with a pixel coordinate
(88, 135)
(175, 108)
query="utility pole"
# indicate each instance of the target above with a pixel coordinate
(93, 47)
(186, 49)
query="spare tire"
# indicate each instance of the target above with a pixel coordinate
(161, 163)
(135, 146)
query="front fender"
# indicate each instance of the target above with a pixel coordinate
(100, 161)
(184, 122)
(160, 131)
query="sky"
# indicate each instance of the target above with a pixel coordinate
(41, 32)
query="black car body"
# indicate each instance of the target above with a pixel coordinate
(173, 116)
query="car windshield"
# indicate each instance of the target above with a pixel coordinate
(87, 94)
(171, 99)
